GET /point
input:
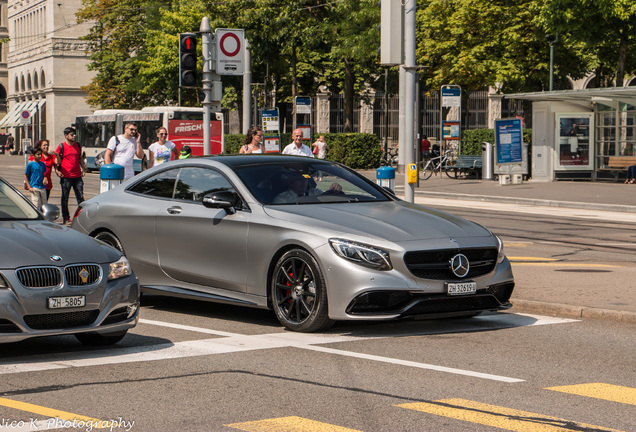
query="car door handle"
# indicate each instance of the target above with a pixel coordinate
(174, 210)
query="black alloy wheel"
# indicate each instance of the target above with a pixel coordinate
(299, 294)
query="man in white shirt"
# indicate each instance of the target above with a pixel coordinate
(297, 147)
(123, 152)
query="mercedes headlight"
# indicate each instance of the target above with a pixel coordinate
(362, 254)
(118, 269)
(501, 255)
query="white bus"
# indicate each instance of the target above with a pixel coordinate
(184, 124)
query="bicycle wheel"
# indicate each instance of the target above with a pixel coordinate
(450, 170)
(425, 170)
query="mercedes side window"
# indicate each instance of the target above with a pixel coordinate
(159, 185)
(195, 182)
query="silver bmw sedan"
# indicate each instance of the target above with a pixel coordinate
(311, 239)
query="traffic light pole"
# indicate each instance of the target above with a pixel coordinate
(212, 87)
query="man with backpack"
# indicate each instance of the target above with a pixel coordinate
(70, 168)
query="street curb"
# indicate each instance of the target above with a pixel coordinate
(569, 311)
(529, 201)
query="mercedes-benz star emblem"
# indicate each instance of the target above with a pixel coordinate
(55, 258)
(460, 265)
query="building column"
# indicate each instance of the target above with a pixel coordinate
(322, 111)
(494, 107)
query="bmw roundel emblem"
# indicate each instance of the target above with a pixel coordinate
(460, 265)
(55, 258)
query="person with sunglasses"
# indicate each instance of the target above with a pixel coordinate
(70, 168)
(162, 150)
(122, 149)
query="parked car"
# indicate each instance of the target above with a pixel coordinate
(313, 240)
(56, 281)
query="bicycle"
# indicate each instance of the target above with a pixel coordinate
(390, 158)
(437, 164)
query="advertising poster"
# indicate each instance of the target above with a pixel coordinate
(573, 141)
(190, 133)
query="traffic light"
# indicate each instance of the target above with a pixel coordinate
(391, 32)
(187, 60)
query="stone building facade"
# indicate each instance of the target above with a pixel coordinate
(47, 66)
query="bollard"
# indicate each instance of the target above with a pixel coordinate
(385, 177)
(110, 176)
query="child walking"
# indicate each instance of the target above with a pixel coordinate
(34, 179)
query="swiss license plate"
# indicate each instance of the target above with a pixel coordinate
(67, 302)
(461, 288)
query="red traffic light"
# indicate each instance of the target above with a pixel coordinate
(187, 60)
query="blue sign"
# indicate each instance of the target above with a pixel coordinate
(509, 140)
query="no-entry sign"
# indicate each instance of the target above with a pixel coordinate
(230, 51)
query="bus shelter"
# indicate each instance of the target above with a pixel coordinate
(582, 134)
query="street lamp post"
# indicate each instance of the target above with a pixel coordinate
(551, 40)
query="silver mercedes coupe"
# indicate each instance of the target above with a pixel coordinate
(56, 281)
(313, 240)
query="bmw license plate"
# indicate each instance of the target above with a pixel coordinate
(66, 302)
(462, 288)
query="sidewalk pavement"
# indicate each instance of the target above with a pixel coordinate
(617, 198)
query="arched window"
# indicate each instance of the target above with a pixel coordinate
(42, 79)
(35, 80)
(22, 87)
(16, 86)
(29, 86)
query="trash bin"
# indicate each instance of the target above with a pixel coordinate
(487, 161)
(385, 177)
(110, 175)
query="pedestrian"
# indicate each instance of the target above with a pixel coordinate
(10, 143)
(426, 148)
(122, 149)
(49, 160)
(34, 179)
(320, 147)
(297, 147)
(253, 139)
(162, 150)
(186, 152)
(70, 168)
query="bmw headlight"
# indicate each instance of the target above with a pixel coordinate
(119, 269)
(500, 247)
(362, 254)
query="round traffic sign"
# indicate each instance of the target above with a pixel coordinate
(230, 44)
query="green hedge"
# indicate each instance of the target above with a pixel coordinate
(472, 139)
(356, 150)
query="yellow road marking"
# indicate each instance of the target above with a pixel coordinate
(51, 413)
(511, 258)
(560, 264)
(610, 392)
(288, 424)
(499, 417)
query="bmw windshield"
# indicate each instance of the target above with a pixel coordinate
(13, 206)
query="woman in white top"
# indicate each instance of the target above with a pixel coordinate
(253, 139)
(161, 151)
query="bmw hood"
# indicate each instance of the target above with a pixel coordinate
(28, 243)
(395, 221)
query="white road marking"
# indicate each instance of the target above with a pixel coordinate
(232, 342)
(600, 215)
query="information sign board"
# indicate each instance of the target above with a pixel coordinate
(271, 130)
(509, 141)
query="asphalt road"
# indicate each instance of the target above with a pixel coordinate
(193, 366)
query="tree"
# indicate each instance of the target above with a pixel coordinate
(499, 43)
(606, 28)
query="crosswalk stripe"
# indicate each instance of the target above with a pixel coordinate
(608, 392)
(289, 424)
(500, 417)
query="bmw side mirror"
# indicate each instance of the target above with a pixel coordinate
(50, 212)
(225, 200)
